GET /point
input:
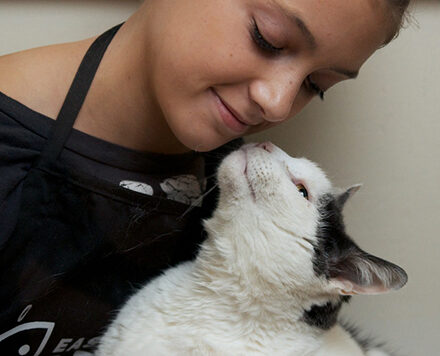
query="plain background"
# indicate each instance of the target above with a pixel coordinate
(383, 130)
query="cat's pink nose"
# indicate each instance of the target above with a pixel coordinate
(268, 146)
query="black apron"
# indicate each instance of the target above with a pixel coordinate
(81, 247)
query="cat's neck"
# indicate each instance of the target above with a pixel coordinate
(244, 278)
(244, 291)
(231, 293)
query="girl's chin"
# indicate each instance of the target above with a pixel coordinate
(204, 142)
(202, 135)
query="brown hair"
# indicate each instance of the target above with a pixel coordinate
(399, 11)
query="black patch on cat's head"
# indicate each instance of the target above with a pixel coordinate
(338, 256)
(333, 242)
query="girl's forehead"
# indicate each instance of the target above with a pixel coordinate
(334, 24)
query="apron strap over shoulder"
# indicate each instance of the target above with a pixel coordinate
(75, 98)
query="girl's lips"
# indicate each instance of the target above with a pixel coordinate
(229, 119)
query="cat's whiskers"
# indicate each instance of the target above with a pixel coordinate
(198, 201)
(304, 242)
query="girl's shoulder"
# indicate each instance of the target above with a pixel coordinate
(40, 77)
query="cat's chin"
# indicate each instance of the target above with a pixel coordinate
(233, 176)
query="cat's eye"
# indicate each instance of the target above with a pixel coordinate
(302, 190)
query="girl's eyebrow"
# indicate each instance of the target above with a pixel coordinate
(303, 28)
(310, 39)
(294, 18)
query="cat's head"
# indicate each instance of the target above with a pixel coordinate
(279, 221)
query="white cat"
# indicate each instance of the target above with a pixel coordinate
(270, 278)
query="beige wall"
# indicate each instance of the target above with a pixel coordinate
(33, 23)
(382, 129)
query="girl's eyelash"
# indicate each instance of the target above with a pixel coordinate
(311, 85)
(261, 41)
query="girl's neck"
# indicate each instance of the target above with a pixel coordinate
(120, 107)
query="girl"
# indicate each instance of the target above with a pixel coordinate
(102, 175)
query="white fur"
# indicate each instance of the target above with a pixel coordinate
(246, 291)
(376, 352)
(338, 342)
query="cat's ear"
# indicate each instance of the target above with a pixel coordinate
(361, 273)
(348, 193)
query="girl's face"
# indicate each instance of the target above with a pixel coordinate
(227, 68)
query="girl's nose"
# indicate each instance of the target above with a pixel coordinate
(275, 96)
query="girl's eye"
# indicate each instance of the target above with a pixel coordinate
(303, 191)
(262, 42)
(313, 87)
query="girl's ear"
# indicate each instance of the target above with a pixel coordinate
(361, 273)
